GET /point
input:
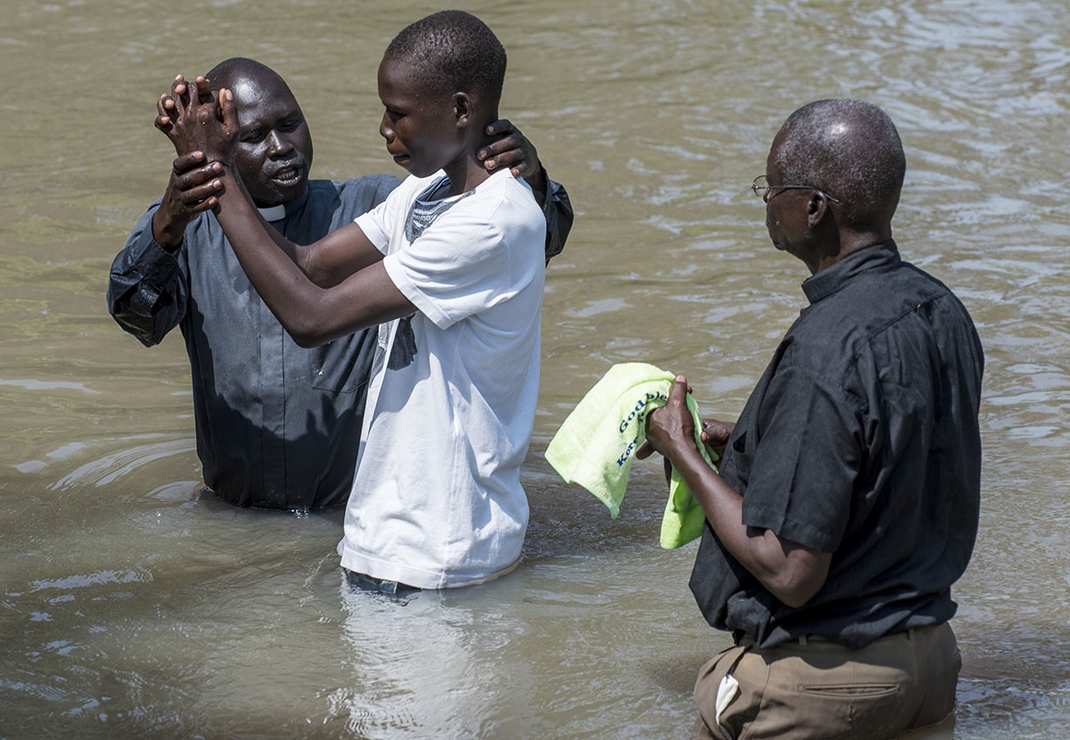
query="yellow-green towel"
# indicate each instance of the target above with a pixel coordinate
(596, 444)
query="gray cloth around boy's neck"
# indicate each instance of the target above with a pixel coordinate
(425, 210)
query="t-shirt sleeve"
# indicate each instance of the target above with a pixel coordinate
(376, 223)
(471, 259)
(804, 466)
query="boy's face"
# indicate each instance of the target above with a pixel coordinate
(421, 130)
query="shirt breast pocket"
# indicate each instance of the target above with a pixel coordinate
(344, 365)
(738, 461)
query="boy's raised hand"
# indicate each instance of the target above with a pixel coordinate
(196, 119)
(513, 150)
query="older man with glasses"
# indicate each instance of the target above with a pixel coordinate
(847, 500)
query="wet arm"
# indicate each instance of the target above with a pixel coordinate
(353, 291)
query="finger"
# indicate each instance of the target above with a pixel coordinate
(180, 92)
(228, 109)
(204, 89)
(505, 153)
(523, 168)
(706, 435)
(163, 121)
(716, 434)
(499, 127)
(199, 177)
(197, 198)
(645, 450)
(678, 391)
(186, 162)
(504, 144)
(512, 158)
(491, 156)
(208, 204)
(205, 205)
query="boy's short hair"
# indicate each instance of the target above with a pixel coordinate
(452, 51)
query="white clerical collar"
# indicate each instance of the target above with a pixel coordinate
(274, 213)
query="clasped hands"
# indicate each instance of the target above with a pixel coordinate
(202, 124)
(196, 118)
(205, 135)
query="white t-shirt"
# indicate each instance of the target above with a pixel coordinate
(437, 500)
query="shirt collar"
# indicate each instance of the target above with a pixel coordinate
(281, 211)
(273, 213)
(828, 281)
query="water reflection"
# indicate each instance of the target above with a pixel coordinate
(111, 467)
(435, 668)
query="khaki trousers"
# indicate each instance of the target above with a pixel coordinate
(809, 689)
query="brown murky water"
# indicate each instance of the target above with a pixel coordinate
(132, 607)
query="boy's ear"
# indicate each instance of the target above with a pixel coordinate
(462, 108)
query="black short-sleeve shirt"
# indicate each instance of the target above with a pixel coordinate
(861, 439)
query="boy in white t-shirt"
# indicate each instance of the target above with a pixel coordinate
(451, 266)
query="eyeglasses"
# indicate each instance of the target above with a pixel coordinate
(761, 187)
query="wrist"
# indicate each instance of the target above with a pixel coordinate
(168, 231)
(684, 453)
(539, 183)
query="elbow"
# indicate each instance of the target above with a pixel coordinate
(304, 341)
(305, 332)
(801, 580)
(794, 595)
(306, 321)
(306, 337)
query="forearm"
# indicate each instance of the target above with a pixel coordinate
(792, 573)
(312, 314)
(245, 228)
(269, 260)
(167, 231)
(326, 262)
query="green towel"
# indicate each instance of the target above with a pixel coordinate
(597, 442)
